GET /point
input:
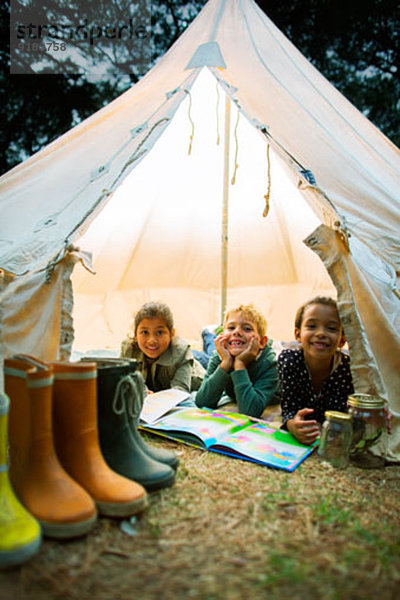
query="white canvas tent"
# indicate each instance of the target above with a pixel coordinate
(122, 186)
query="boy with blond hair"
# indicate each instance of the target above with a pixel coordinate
(243, 367)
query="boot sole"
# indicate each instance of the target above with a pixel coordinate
(126, 509)
(157, 484)
(170, 462)
(68, 530)
(13, 558)
(157, 454)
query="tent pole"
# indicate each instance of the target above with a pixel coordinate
(225, 206)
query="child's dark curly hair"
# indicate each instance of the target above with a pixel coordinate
(155, 310)
(326, 300)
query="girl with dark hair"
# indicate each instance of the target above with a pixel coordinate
(315, 377)
(165, 361)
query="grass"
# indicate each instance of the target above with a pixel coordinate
(233, 530)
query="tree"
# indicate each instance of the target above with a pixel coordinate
(99, 39)
(356, 46)
(35, 109)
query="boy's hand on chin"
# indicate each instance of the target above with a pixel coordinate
(249, 354)
(226, 358)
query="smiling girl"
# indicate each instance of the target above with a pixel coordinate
(243, 367)
(164, 360)
(316, 377)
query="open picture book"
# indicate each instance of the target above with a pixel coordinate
(157, 404)
(232, 434)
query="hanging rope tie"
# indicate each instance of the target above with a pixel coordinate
(268, 194)
(233, 180)
(191, 121)
(218, 99)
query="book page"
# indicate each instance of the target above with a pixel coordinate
(208, 426)
(158, 404)
(266, 445)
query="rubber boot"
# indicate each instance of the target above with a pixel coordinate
(19, 422)
(61, 505)
(133, 411)
(77, 442)
(20, 534)
(159, 454)
(119, 447)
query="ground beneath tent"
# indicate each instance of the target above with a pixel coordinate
(230, 530)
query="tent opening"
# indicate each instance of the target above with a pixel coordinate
(159, 236)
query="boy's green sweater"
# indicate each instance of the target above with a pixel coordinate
(252, 388)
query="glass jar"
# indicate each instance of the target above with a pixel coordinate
(336, 437)
(369, 423)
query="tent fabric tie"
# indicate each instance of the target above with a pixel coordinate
(191, 122)
(233, 180)
(268, 194)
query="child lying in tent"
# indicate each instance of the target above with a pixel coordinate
(165, 361)
(208, 335)
(315, 377)
(243, 367)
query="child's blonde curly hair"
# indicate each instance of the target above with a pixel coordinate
(252, 314)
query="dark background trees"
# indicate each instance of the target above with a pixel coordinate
(355, 45)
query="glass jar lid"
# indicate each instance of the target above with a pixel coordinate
(337, 415)
(365, 401)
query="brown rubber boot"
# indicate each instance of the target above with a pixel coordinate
(62, 506)
(77, 442)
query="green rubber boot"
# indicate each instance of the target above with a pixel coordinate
(119, 447)
(20, 532)
(160, 454)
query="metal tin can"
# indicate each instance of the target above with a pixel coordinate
(369, 423)
(336, 437)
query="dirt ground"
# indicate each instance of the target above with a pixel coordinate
(232, 530)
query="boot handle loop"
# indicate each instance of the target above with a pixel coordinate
(129, 394)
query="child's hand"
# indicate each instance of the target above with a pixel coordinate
(226, 359)
(249, 354)
(307, 432)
